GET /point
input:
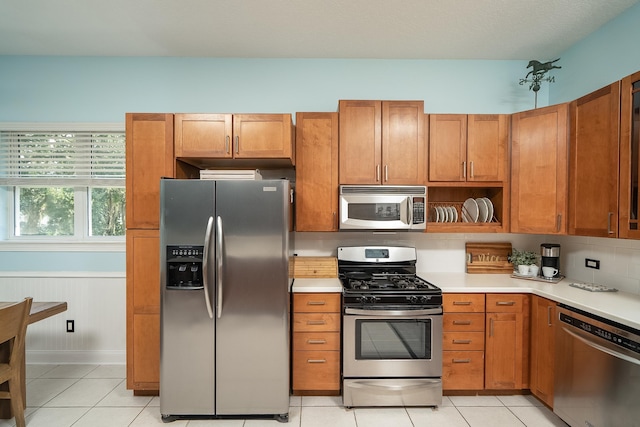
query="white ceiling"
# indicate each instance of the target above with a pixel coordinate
(384, 29)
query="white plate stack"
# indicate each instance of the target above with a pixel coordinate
(477, 210)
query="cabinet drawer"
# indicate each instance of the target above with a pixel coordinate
(501, 303)
(312, 303)
(316, 370)
(316, 322)
(463, 303)
(463, 341)
(463, 322)
(462, 370)
(315, 341)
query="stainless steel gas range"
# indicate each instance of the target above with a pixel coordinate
(392, 323)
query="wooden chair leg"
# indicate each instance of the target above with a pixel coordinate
(17, 404)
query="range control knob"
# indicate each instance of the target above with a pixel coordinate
(413, 299)
(424, 299)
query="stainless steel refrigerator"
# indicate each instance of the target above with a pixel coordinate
(224, 299)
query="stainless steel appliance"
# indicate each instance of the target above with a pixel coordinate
(224, 299)
(392, 329)
(382, 207)
(550, 257)
(597, 373)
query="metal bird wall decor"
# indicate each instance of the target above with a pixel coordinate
(537, 73)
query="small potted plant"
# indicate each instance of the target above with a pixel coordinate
(522, 261)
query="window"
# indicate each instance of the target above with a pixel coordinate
(62, 184)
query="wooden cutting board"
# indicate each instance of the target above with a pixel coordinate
(490, 257)
(313, 267)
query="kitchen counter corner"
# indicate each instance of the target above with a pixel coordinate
(621, 307)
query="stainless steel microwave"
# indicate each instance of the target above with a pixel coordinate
(382, 207)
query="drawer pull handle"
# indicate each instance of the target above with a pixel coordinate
(316, 303)
(462, 303)
(462, 322)
(315, 322)
(316, 361)
(316, 341)
(462, 341)
(461, 360)
(505, 303)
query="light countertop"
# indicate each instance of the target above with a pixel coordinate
(320, 285)
(622, 307)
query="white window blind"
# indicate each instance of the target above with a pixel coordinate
(60, 158)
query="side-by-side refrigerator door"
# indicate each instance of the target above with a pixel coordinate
(252, 325)
(187, 351)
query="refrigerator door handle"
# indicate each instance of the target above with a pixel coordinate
(219, 258)
(205, 266)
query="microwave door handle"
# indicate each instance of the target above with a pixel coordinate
(409, 211)
(205, 266)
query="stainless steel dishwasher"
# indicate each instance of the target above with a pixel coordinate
(597, 380)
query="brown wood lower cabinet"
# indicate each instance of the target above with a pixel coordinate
(543, 320)
(463, 342)
(507, 343)
(316, 343)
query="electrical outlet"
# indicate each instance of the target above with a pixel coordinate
(71, 325)
(592, 263)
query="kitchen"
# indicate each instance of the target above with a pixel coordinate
(437, 252)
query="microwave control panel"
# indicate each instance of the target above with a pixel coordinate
(418, 210)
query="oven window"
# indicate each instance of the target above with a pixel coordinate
(375, 211)
(393, 339)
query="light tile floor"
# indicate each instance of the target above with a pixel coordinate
(96, 396)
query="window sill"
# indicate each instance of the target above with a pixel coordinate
(59, 246)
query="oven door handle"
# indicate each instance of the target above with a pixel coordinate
(393, 313)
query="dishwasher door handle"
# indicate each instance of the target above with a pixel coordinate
(602, 348)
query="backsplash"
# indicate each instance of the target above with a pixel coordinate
(619, 258)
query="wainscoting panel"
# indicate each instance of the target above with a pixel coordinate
(97, 304)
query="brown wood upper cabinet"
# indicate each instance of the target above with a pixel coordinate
(317, 172)
(466, 148)
(629, 157)
(539, 174)
(238, 136)
(382, 142)
(149, 156)
(593, 163)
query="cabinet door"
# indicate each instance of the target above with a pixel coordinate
(542, 348)
(317, 172)
(203, 135)
(487, 136)
(593, 163)
(262, 136)
(360, 142)
(503, 352)
(539, 171)
(403, 143)
(149, 156)
(143, 373)
(447, 147)
(630, 157)
(143, 309)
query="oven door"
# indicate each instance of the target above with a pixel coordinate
(392, 343)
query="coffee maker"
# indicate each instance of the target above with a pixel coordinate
(550, 257)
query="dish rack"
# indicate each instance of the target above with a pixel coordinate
(435, 217)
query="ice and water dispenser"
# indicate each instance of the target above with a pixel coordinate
(184, 267)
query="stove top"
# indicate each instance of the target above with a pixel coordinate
(383, 276)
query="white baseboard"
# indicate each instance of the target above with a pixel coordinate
(65, 357)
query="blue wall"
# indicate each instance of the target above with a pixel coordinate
(605, 56)
(98, 89)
